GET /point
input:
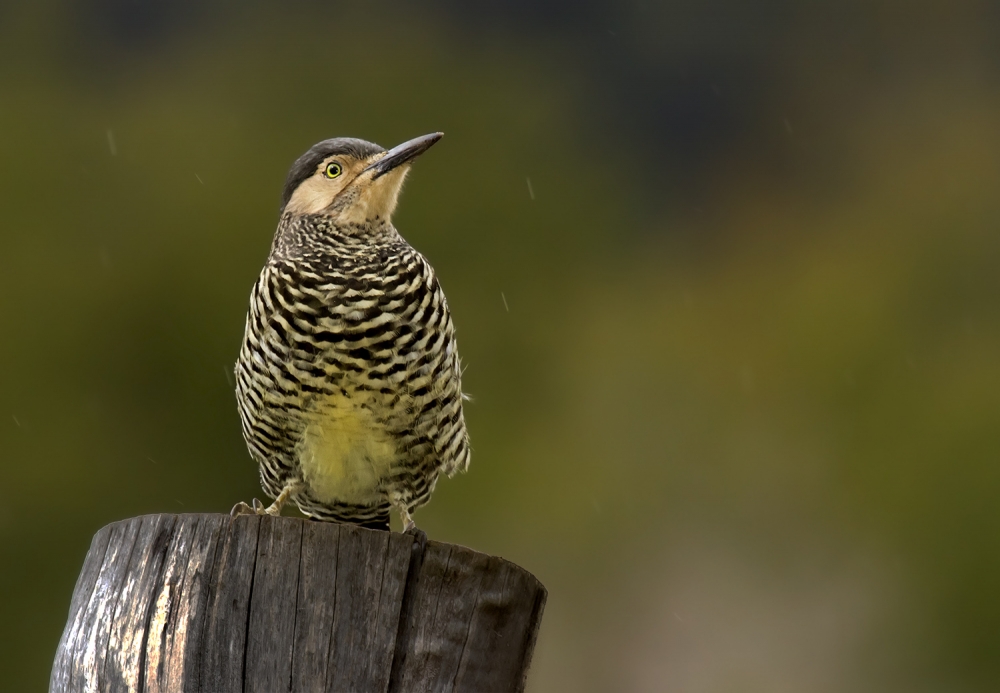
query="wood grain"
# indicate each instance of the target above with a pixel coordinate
(205, 603)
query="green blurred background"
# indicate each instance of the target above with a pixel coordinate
(725, 277)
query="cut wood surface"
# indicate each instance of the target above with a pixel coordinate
(207, 603)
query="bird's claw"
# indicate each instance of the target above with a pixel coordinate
(242, 508)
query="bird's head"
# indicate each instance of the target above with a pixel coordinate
(350, 180)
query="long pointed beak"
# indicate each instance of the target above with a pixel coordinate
(402, 153)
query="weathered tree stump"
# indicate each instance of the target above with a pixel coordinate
(207, 603)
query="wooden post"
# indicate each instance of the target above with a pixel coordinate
(206, 603)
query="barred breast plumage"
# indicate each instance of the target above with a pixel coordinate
(348, 380)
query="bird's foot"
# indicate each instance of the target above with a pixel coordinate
(273, 510)
(409, 526)
(242, 508)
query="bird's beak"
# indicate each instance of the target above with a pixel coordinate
(402, 153)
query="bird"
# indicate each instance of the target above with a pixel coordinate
(348, 380)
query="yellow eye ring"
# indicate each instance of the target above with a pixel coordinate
(333, 170)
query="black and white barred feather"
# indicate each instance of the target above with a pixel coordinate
(348, 380)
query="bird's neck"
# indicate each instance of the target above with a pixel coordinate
(318, 235)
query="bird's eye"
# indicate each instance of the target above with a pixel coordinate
(333, 170)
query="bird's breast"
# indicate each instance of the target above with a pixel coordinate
(344, 452)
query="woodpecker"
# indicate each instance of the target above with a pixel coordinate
(348, 381)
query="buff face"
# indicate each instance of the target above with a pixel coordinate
(347, 190)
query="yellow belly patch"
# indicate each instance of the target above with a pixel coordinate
(344, 455)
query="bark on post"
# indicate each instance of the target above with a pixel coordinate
(207, 603)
